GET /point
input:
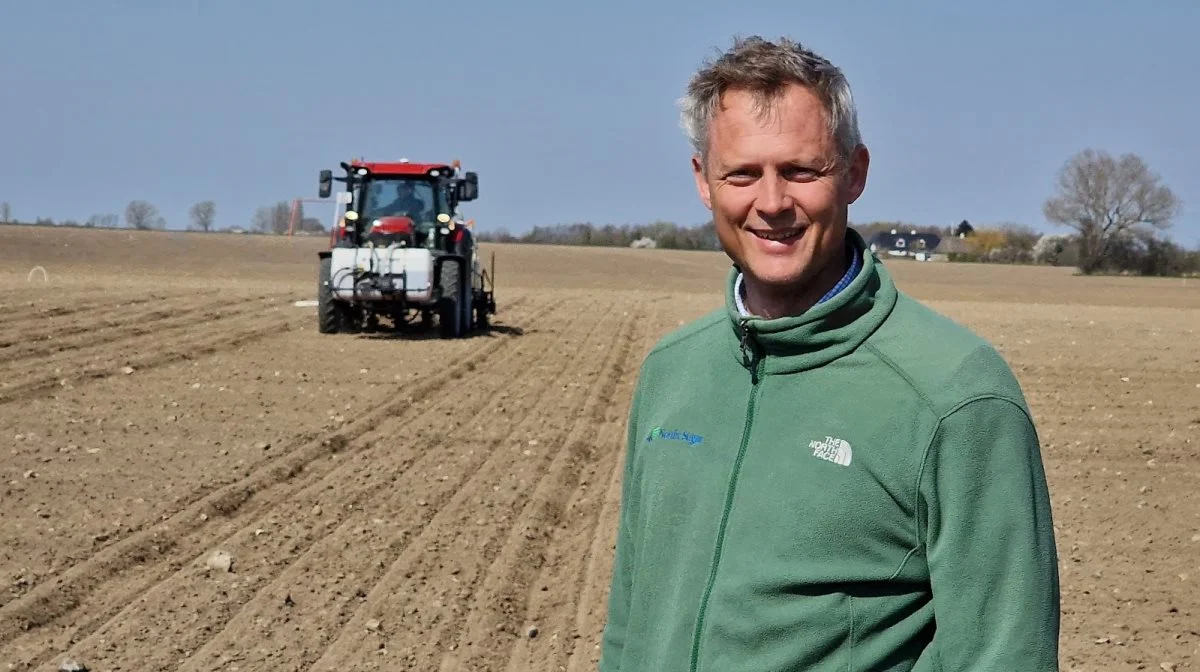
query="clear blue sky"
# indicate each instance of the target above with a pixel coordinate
(567, 110)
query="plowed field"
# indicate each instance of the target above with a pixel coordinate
(194, 479)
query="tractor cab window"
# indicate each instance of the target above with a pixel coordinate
(415, 199)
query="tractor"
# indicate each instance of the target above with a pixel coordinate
(401, 252)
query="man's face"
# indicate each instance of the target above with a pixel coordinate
(778, 196)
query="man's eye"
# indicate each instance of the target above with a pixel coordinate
(799, 173)
(739, 176)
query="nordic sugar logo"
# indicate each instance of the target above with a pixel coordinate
(660, 434)
(833, 449)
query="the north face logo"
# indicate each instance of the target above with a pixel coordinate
(832, 449)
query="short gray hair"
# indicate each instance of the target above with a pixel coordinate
(765, 68)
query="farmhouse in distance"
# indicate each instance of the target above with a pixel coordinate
(918, 245)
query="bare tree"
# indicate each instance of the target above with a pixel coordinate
(202, 215)
(5, 213)
(273, 218)
(105, 221)
(1107, 199)
(143, 215)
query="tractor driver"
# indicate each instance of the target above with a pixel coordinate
(407, 204)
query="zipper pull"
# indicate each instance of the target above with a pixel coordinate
(749, 350)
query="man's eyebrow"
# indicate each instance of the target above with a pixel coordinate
(810, 163)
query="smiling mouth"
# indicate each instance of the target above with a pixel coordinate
(778, 236)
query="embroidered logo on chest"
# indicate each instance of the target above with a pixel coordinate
(660, 434)
(832, 449)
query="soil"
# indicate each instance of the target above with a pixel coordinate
(193, 478)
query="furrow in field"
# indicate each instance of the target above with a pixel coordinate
(99, 588)
(584, 609)
(590, 590)
(291, 528)
(424, 595)
(45, 337)
(555, 597)
(147, 347)
(281, 449)
(159, 321)
(18, 310)
(533, 550)
(557, 592)
(384, 512)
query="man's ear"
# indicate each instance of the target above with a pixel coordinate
(701, 181)
(860, 161)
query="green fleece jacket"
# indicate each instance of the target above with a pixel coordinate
(856, 488)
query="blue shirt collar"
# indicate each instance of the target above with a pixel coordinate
(847, 278)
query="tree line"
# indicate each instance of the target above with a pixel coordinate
(1115, 208)
(665, 235)
(144, 216)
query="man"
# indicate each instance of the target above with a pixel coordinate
(824, 474)
(406, 203)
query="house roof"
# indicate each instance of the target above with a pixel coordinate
(911, 241)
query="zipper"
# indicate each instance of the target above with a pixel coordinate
(749, 351)
(752, 360)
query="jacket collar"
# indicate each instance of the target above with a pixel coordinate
(826, 331)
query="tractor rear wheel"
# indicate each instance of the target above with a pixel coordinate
(450, 304)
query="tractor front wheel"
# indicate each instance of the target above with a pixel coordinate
(329, 318)
(332, 316)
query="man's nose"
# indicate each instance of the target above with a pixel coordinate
(773, 199)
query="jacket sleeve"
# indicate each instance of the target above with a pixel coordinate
(990, 542)
(612, 643)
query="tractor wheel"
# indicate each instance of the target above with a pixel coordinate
(450, 315)
(468, 307)
(329, 317)
(333, 316)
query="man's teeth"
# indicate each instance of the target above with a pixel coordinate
(776, 235)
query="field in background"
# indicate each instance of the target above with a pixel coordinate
(424, 504)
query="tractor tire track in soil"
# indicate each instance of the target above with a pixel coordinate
(19, 310)
(43, 337)
(181, 336)
(284, 533)
(101, 587)
(500, 611)
(281, 450)
(385, 526)
(414, 613)
(590, 605)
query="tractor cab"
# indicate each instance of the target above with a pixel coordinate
(403, 204)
